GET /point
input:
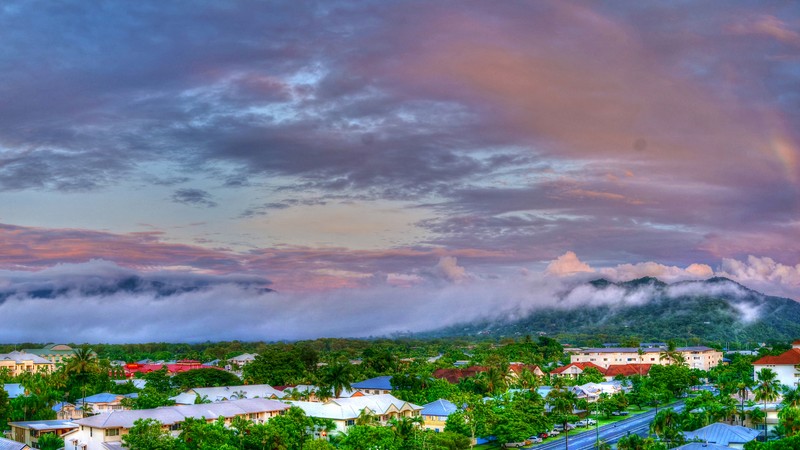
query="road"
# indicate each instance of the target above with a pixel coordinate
(584, 440)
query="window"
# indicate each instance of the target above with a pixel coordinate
(175, 427)
(112, 432)
(350, 423)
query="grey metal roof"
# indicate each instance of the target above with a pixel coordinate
(24, 356)
(702, 446)
(46, 424)
(722, 434)
(224, 393)
(7, 444)
(175, 414)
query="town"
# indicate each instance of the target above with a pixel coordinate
(402, 394)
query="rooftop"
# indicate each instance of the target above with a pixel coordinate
(383, 383)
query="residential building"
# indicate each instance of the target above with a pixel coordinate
(237, 362)
(103, 402)
(30, 431)
(574, 370)
(784, 365)
(22, 362)
(699, 357)
(732, 436)
(55, 353)
(67, 411)
(227, 393)
(8, 444)
(344, 411)
(131, 369)
(105, 431)
(374, 386)
(435, 414)
(454, 375)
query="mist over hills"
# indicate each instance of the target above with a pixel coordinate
(717, 309)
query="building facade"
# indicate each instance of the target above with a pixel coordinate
(700, 357)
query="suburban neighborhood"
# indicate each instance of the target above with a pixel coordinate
(661, 395)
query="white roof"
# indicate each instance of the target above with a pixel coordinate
(175, 414)
(245, 357)
(19, 357)
(350, 408)
(225, 393)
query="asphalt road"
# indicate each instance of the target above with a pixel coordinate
(584, 440)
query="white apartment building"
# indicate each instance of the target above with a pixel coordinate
(700, 357)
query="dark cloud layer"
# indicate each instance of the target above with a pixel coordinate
(624, 131)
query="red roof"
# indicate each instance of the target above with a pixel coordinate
(454, 375)
(787, 358)
(627, 370)
(181, 366)
(518, 368)
(581, 365)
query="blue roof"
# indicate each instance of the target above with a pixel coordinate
(57, 407)
(7, 444)
(439, 407)
(384, 383)
(104, 397)
(14, 390)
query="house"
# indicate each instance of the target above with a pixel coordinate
(55, 353)
(185, 365)
(516, 368)
(67, 411)
(702, 446)
(21, 362)
(374, 386)
(105, 431)
(344, 411)
(227, 393)
(784, 365)
(29, 432)
(14, 390)
(237, 362)
(453, 376)
(103, 402)
(771, 410)
(435, 414)
(699, 357)
(309, 392)
(574, 369)
(733, 436)
(8, 444)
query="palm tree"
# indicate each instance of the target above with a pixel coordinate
(337, 377)
(82, 364)
(767, 388)
(672, 355)
(666, 424)
(791, 396)
(564, 402)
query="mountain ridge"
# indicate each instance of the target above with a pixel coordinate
(717, 309)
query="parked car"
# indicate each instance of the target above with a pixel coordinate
(585, 422)
(591, 422)
(544, 435)
(554, 433)
(619, 413)
(535, 439)
(515, 444)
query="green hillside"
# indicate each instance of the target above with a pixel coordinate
(717, 309)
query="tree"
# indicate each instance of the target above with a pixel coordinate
(667, 426)
(81, 365)
(5, 409)
(148, 434)
(790, 420)
(672, 355)
(337, 377)
(766, 390)
(563, 404)
(197, 434)
(203, 378)
(363, 437)
(50, 441)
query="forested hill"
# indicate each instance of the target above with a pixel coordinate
(717, 309)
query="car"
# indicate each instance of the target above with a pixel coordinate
(582, 423)
(619, 413)
(591, 422)
(544, 435)
(554, 433)
(515, 444)
(535, 439)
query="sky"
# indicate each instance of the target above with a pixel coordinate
(347, 153)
